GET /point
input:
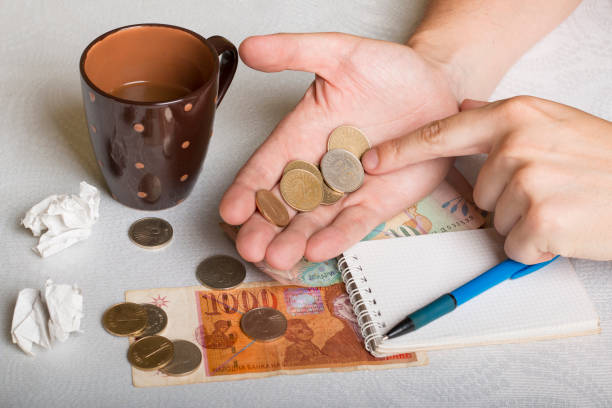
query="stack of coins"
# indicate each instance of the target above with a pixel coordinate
(145, 321)
(304, 187)
(151, 351)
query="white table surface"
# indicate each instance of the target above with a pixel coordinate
(44, 149)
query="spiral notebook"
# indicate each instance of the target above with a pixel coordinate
(388, 279)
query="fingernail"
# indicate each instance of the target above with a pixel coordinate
(370, 159)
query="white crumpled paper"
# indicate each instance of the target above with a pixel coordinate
(65, 305)
(30, 321)
(67, 219)
(33, 323)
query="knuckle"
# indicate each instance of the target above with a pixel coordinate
(520, 107)
(543, 219)
(394, 148)
(431, 135)
(523, 181)
(513, 146)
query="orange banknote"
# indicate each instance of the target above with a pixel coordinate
(322, 333)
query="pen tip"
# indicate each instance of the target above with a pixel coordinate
(385, 338)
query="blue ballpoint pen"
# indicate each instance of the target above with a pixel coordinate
(508, 269)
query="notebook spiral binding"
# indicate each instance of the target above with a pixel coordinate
(363, 301)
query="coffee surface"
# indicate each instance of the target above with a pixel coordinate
(149, 91)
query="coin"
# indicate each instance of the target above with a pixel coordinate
(151, 233)
(157, 320)
(342, 170)
(304, 165)
(301, 190)
(271, 208)
(151, 352)
(125, 319)
(330, 196)
(348, 138)
(187, 359)
(221, 272)
(263, 324)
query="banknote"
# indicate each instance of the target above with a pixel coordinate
(322, 333)
(448, 208)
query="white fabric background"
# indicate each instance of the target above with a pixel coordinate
(44, 149)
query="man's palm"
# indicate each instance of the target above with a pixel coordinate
(383, 88)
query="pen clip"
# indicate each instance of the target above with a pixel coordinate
(530, 268)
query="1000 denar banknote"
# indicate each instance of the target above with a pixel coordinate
(322, 333)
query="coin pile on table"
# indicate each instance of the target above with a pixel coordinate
(145, 321)
(304, 186)
(151, 351)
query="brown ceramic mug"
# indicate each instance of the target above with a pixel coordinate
(150, 92)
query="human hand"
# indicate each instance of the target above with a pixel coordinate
(383, 88)
(548, 174)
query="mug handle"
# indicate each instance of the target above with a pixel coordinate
(228, 64)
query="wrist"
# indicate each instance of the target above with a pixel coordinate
(444, 59)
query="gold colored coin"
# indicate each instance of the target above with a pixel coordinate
(151, 353)
(271, 208)
(151, 233)
(304, 165)
(125, 319)
(330, 196)
(348, 138)
(301, 190)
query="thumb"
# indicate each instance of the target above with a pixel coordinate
(317, 53)
(468, 132)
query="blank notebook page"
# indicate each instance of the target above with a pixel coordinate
(405, 274)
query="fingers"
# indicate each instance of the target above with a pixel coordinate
(494, 176)
(256, 234)
(289, 246)
(264, 169)
(470, 132)
(382, 197)
(318, 53)
(351, 225)
(254, 237)
(511, 206)
(523, 245)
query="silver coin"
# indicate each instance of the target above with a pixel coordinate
(342, 170)
(157, 320)
(151, 233)
(263, 324)
(186, 360)
(221, 272)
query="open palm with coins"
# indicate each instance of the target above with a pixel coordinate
(384, 89)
